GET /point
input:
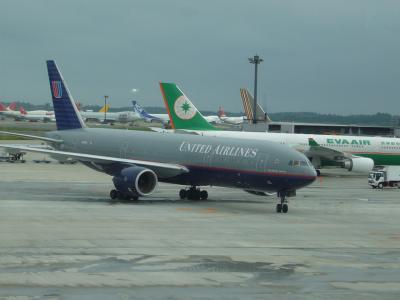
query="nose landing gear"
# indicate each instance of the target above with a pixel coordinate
(282, 206)
(193, 193)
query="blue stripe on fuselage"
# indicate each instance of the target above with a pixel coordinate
(263, 181)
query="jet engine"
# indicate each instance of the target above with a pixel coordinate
(359, 164)
(136, 179)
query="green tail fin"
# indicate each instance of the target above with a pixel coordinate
(182, 113)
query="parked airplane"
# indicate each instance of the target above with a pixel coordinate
(37, 112)
(22, 114)
(36, 115)
(104, 116)
(9, 110)
(230, 120)
(97, 116)
(138, 160)
(354, 153)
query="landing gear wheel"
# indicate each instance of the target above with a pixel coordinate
(203, 195)
(182, 194)
(193, 194)
(380, 186)
(282, 206)
(123, 196)
(114, 194)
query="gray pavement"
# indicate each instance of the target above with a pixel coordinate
(62, 238)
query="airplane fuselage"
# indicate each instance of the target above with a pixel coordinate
(259, 165)
(383, 150)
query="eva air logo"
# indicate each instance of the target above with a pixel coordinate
(184, 109)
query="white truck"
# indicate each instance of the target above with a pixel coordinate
(386, 176)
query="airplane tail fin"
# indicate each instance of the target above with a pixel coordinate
(221, 112)
(182, 113)
(248, 104)
(137, 108)
(12, 106)
(22, 110)
(66, 112)
(105, 108)
(2, 107)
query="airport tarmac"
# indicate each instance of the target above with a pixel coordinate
(61, 237)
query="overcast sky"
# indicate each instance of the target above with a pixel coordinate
(330, 56)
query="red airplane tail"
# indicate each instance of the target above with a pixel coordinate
(22, 110)
(2, 107)
(221, 112)
(12, 106)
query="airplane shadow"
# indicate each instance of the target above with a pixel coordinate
(178, 201)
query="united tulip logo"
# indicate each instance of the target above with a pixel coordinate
(57, 89)
(183, 108)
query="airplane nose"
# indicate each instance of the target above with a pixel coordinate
(309, 177)
(313, 174)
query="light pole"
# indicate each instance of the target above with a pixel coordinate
(256, 60)
(105, 108)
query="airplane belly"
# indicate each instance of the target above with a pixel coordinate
(203, 176)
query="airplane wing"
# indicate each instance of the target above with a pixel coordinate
(42, 138)
(13, 148)
(163, 170)
(324, 152)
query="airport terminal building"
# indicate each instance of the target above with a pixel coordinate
(320, 128)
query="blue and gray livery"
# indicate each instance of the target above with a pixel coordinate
(137, 160)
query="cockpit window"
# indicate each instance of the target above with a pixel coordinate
(298, 163)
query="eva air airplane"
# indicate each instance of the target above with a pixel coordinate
(355, 153)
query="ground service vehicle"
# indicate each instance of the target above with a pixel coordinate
(387, 176)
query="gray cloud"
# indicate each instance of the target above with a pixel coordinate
(325, 56)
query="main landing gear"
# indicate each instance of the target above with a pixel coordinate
(115, 194)
(193, 193)
(283, 206)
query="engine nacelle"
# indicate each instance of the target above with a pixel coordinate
(359, 164)
(137, 179)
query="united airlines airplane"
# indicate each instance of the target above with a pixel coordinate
(138, 160)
